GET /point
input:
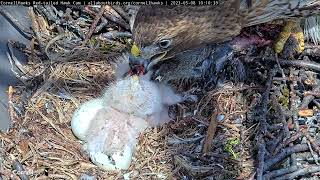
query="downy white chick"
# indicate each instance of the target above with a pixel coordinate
(142, 98)
(111, 124)
(158, 96)
(112, 138)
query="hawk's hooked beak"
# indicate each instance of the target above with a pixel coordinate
(147, 57)
(155, 60)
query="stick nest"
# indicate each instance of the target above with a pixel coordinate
(257, 127)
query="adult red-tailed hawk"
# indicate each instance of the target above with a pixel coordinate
(163, 35)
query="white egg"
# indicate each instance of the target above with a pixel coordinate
(123, 160)
(117, 160)
(83, 117)
(102, 160)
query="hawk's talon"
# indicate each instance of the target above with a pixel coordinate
(291, 29)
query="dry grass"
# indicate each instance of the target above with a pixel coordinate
(42, 140)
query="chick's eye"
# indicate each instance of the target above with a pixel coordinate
(165, 43)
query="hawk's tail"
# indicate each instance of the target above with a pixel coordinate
(262, 11)
(312, 29)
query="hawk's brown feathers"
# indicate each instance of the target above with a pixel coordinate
(163, 32)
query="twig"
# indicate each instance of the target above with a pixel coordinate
(76, 29)
(285, 78)
(199, 157)
(263, 125)
(221, 156)
(180, 161)
(210, 132)
(307, 99)
(279, 66)
(104, 23)
(177, 140)
(284, 122)
(300, 172)
(116, 35)
(294, 113)
(301, 64)
(284, 126)
(312, 153)
(280, 172)
(121, 12)
(112, 15)
(10, 102)
(272, 144)
(287, 142)
(200, 121)
(265, 101)
(312, 51)
(284, 153)
(312, 141)
(48, 84)
(312, 93)
(45, 10)
(315, 101)
(54, 57)
(293, 156)
(35, 28)
(93, 25)
(293, 98)
(261, 154)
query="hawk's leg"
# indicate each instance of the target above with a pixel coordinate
(290, 40)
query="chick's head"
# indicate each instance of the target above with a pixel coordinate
(135, 96)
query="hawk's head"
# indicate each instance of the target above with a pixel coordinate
(161, 32)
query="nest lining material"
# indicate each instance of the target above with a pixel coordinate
(43, 142)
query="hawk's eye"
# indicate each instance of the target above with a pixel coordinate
(165, 43)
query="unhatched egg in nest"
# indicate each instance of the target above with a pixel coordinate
(113, 136)
(83, 117)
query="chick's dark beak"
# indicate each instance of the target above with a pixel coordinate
(138, 65)
(147, 57)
